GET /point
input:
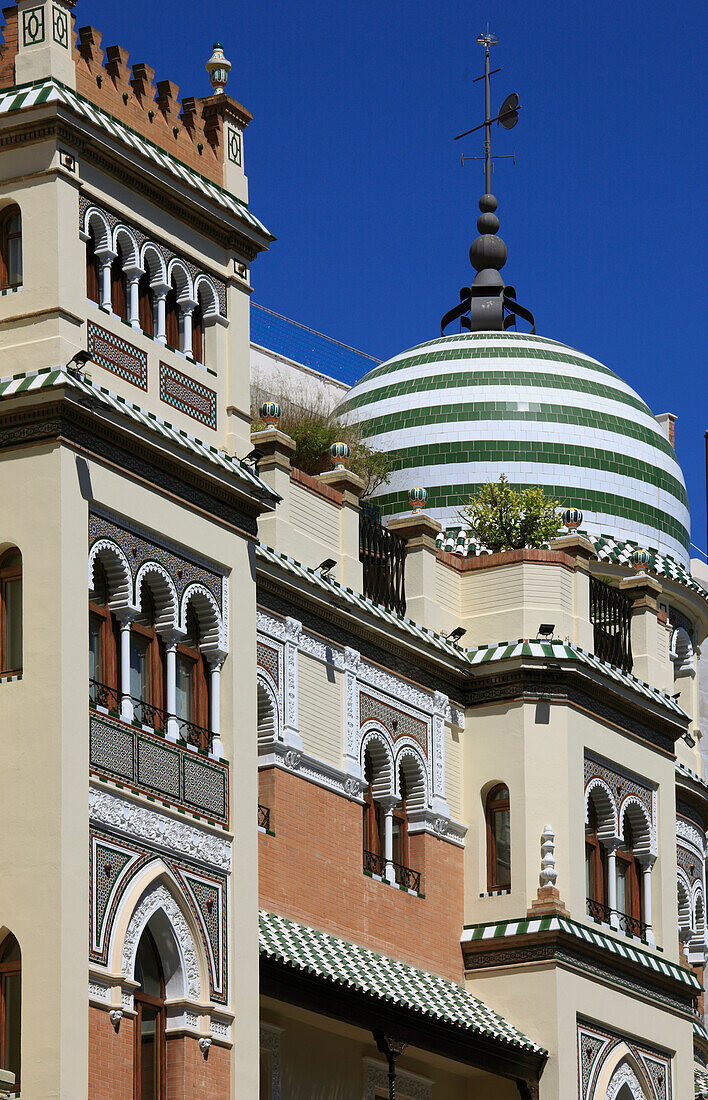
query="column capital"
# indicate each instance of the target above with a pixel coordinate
(647, 860)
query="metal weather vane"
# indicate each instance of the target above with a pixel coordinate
(489, 305)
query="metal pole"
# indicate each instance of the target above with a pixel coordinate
(487, 124)
(392, 1076)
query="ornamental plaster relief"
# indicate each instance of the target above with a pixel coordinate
(691, 835)
(599, 1047)
(158, 830)
(623, 791)
(160, 898)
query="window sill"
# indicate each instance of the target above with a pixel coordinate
(10, 677)
(395, 885)
(10, 290)
(501, 892)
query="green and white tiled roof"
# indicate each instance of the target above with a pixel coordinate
(460, 410)
(347, 964)
(558, 650)
(701, 1084)
(56, 377)
(25, 96)
(458, 540)
(528, 927)
(355, 599)
(683, 770)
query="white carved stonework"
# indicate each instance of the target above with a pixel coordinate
(441, 708)
(317, 771)
(352, 661)
(625, 1075)
(548, 874)
(409, 1086)
(293, 633)
(99, 992)
(686, 831)
(159, 830)
(160, 898)
(270, 1042)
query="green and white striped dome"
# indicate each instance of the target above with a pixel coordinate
(460, 410)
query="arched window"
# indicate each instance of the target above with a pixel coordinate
(150, 1020)
(198, 333)
(629, 878)
(193, 686)
(172, 318)
(104, 644)
(10, 1007)
(93, 278)
(11, 611)
(147, 666)
(119, 295)
(10, 247)
(400, 825)
(498, 838)
(146, 309)
(373, 821)
(595, 866)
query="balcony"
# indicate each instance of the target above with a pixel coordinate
(141, 757)
(612, 918)
(145, 714)
(611, 617)
(264, 818)
(383, 556)
(406, 878)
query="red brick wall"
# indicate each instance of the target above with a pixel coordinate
(311, 871)
(110, 1057)
(191, 1076)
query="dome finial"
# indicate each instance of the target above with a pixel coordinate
(488, 304)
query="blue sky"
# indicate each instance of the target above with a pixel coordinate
(352, 165)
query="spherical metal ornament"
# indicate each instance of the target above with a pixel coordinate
(488, 251)
(572, 518)
(339, 453)
(271, 412)
(640, 560)
(488, 204)
(487, 223)
(218, 68)
(417, 498)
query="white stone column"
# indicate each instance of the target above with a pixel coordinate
(389, 870)
(159, 296)
(611, 847)
(352, 764)
(441, 706)
(126, 703)
(647, 862)
(293, 630)
(186, 308)
(105, 259)
(171, 687)
(217, 748)
(132, 275)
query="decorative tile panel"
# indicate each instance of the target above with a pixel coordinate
(690, 864)
(187, 395)
(233, 145)
(117, 355)
(596, 1045)
(32, 26)
(207, 892)
(269, 660)
(60, 26)
(138, 549)
(397, 722)
(110, 864)
(149, 764)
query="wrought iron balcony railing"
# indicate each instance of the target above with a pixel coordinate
(101, 695)
(611, 616)
(383, 556)
(406, 878)
(149, 715)
(194, 735)
(264, 817)
(602, 913)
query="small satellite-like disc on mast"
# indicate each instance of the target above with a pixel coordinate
(508, 114)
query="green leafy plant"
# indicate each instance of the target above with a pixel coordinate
(311, 424)
(501, 518)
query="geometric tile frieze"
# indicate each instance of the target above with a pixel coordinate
(187, 395)
(269, 660)
(117, 355)
(148, 763)
(397, 722)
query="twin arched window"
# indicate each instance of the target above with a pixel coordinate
(10, 1007)
(10, 247)
(11, 611)
(498, 838)
(378, 852)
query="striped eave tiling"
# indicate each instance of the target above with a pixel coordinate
(456, 412)
(556, 650)
(458, 540)
(701, 1083)
(347, 964)
(532, 926)
(54, 377)
(25, 96)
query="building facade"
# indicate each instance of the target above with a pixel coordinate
(269, 828)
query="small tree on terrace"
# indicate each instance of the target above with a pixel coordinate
(501, 518)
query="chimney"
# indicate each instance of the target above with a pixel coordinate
(667, 422)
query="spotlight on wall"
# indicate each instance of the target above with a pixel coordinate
(325, 568)
(545, 630)
(455, 635)
(253, 457)
(77, 362)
